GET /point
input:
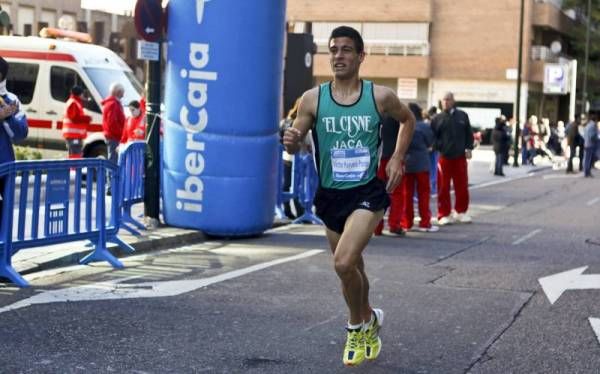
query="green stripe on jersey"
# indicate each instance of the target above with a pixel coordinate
(348, 138)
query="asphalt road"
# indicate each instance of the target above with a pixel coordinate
(466, 299)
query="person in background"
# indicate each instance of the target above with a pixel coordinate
(389, 134)
(113, 120)
(454, 142)
(501, 143)
(574, 141)
(433, 156)
(75, 123)
(13, 124)
(135, 125)
(590, 141)
(417, 173)
(288, 166)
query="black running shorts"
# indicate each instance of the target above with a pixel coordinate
(334, 206)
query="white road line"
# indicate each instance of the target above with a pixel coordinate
(499, 181)
(528, 236)
(593, 201)
(561, 176)
(116, 289)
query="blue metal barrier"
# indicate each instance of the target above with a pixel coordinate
(131, 170)
(283, 196)
(49, 201)
(305, 182)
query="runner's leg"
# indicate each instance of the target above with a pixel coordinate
(348, 257)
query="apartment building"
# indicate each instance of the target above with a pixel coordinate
(424, 48)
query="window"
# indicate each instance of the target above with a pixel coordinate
(387, 38)
(103, 78)
(21, 80)
(62, 80)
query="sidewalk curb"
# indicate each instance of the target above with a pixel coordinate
(143, 245)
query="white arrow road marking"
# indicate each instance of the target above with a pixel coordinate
(593, 201)
(115, 290)
(595, 322)
(528, 236)
(555, 285)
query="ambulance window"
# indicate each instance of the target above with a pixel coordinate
(21, 80)
(62, 80)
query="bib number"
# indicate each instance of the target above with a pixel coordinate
(350, 165)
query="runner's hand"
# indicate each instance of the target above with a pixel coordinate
(468, 154)
(394, 171)
(291, 138)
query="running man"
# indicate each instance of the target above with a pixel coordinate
(345, 118)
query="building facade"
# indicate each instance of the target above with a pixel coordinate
(424, 48)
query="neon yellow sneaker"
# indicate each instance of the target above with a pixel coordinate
(354, 351)
(372, 339)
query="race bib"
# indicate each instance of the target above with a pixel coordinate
(350, 165)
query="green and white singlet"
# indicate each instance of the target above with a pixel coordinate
(347, 138)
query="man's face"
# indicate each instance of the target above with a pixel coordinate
(448, 102)
(345, 60)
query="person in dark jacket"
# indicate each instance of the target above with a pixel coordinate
(574, 142)
(501, 142)
(590, 141)
(454, 142)
(417, 173)
(13, 123)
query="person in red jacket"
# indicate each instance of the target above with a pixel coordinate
(75, 123)
(113, 120)
(135, 126)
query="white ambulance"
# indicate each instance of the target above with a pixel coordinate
(42, 72)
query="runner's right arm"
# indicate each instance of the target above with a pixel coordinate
(293, 136)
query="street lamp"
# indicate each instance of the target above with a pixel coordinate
(519, 70)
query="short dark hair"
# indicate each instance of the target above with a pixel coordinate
(416, 110)
(134, 104)
(349, 32)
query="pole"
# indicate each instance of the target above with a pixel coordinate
(584, 93)
(152, 181)
(517, 115)
(573, 89)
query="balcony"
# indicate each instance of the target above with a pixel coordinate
(344, 10)
(548, 15)
(382, 66)
(386, 47)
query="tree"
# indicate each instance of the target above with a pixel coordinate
(578, 43)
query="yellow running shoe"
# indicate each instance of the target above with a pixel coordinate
(372, 339)
(354, 351)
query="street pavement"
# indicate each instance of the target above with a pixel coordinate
(467, 299)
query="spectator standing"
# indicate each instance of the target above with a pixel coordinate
(75, 123)
(574, 142)
(113, 120)
(433, 156)
(501, 144)
(590, 141)
(135, 125)
(417, 173)
(13, 123)
(389, 135)
(454, 142)
(288, 165)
